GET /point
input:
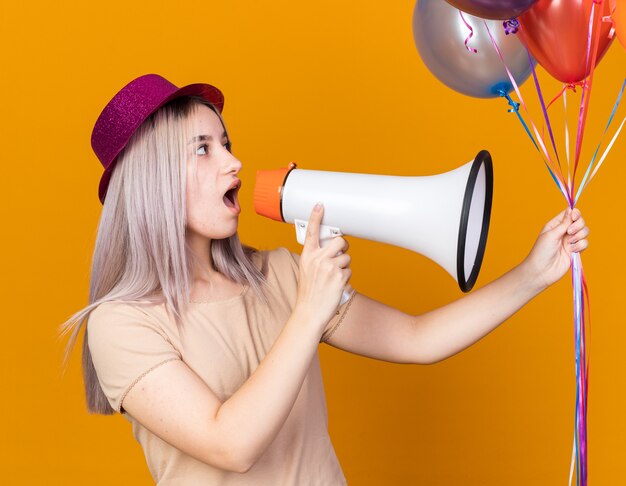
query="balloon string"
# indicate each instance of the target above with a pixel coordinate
(567, 150)
(577, 421)
(471, 33)
(604, 154)
(515, 109)
(511, 26)
(580, 290)
(545, 155)
(573, 461)
(582, 370)
(566, 86)
(540, 95)
(609, 18)
(584, 373)
(582, 330)
(586, 182)
(587, 303)
(581, 293)
(586, 92)
(579, 459)
(563, 93)
(586, 329)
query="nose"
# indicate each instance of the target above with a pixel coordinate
(233, 164)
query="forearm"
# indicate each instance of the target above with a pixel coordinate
(448, 330)
(254, 414)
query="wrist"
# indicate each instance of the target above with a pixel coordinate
(530, 278)
(306, 318)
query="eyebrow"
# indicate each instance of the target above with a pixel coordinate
(205, 138)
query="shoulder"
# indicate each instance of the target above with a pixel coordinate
(125, 341)
(276, 257)
(281, 260)
(123, 321)
(118, 307)
(125, 332)
(117, 312)
(281, 269)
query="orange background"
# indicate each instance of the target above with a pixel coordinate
(332, 86)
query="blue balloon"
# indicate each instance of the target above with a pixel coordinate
(440, 32)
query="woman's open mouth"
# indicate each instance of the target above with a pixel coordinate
(230, 198)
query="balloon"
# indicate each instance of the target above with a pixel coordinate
(493, 9)
(619, 17)
(440, 33)
(556, 32)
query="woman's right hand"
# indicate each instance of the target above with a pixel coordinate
(323, 273)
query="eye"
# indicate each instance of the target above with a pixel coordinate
(202, 149)
(227, 145)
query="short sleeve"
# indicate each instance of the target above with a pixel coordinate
(126, 343)
(334, 322)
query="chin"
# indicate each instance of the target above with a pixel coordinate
(226, 231)
(232, 230)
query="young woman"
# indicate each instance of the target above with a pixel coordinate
(209, 347)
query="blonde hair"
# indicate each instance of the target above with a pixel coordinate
(141, 255)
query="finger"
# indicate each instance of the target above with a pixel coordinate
(579, 246)
(344, 245)
(576, 226)
(336, 245)
(312, 238)
(576, 215)
(347, 273)
(557, 220)
(583, 233)
(343, 260)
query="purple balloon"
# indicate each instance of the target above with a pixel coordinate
(493, 9)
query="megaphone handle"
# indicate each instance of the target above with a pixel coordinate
(327, 233)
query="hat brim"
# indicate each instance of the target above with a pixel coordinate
(206, 91)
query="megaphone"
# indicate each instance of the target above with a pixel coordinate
(444, 217)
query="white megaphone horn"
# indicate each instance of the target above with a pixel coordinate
(444, 217)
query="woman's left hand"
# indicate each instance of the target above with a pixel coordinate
(550, 257)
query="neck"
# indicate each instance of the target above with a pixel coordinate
(208, 284)
(203, 269)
